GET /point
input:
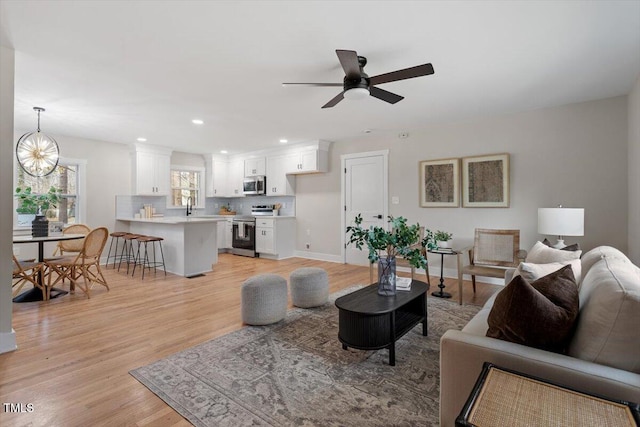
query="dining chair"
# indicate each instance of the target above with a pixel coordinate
(493, 251)
(27, 272)
(73, 246)
(86, 264)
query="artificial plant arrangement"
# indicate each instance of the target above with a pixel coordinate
(36, 204)
(401, 239)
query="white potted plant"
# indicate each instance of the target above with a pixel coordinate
(443, 239)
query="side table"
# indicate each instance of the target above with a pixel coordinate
(442, 253)
(502, 397)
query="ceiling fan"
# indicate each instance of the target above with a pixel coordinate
(358, 85)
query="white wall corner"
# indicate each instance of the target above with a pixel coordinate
(8, 342)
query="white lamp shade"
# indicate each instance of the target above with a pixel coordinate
(561, 221)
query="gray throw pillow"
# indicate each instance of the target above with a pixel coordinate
(574, 247)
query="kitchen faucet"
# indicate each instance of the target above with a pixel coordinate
(189, 206)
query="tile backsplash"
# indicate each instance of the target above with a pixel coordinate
(128, 206)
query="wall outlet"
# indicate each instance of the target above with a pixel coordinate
(395, 200)
(284, 205)
(215, 205)
(307, 245)
(308, 232)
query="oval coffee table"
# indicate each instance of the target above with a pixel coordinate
(368, 321)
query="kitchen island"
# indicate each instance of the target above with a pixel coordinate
(190, 243)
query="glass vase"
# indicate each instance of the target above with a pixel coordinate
(387, 276)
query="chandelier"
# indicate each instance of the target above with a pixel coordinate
(37, 153)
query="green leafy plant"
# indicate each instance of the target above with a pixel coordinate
(400, 240)
(32, 203)
(442, 236)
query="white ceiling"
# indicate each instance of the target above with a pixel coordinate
(118, 70)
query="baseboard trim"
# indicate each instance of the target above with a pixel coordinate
(318, 256)
(8, 342)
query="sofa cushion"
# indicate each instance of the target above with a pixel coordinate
(530, 271)
(607, 328)
(596, 254)
(539, 314)
(542, 254)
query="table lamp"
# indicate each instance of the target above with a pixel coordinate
(561, 222)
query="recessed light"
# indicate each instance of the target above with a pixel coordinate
(223, 151)
(197, 122)
(283, 141)
(142, 139)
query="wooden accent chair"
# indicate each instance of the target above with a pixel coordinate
(73, 246)
(86, 264)
(27, 272)
(401, 262)
(493, 251)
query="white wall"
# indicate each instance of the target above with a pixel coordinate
(7, 61)
(575, 155)
(634, 173)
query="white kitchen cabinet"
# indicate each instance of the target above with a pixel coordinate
(275, 237)
(222, 235)
(311, 161)
(278, 183)
(151, 169)
(229, 233)
(219, 188)
(235, 178)
(255, 166)
(265, 238)
(216, 176)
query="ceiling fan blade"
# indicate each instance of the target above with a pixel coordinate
(339, 97)
(350, 65)
(407, 73)
(313, 84)
(384, 95)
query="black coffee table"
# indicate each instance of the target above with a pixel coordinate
(368, 321)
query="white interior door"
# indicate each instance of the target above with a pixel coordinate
(365, 193)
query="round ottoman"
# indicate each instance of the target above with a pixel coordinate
(264, 299)
(309, 287)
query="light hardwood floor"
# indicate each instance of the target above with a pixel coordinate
(74, 353)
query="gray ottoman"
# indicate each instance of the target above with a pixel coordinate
(264, 299)
(309, 287)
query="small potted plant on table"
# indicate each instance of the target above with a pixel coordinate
(384, 245)
(34, 206)
(443, 239)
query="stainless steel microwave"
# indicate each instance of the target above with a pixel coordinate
(254, 185)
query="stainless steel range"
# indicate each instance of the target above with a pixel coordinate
(244, 231)
(244, 236)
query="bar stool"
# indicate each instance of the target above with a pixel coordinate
(127, 254)
(116, 235)
(146, 263)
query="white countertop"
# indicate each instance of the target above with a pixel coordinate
(175, 219)
(199, 218)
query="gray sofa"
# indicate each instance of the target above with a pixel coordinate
(603, 356)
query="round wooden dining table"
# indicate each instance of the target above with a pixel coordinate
(35, 294)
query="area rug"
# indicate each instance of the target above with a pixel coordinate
(295, 373)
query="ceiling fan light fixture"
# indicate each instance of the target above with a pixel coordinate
(356, 93)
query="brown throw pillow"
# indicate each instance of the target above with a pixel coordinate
(539, 314)
(572, 248)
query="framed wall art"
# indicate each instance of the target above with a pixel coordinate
(440, 183)
(485, 181)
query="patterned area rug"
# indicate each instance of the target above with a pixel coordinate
(295, 372)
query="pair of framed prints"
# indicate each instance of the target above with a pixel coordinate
(485, 182)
